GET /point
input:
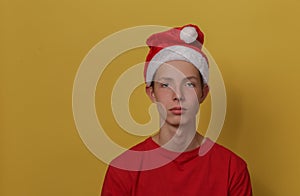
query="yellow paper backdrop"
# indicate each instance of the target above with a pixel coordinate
(42, 43)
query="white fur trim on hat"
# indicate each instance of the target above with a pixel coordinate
(177, 52)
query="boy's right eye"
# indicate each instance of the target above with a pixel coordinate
(164, 85)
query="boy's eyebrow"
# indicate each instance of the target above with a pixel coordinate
(165, 78)
(171, 79)
(192, 77)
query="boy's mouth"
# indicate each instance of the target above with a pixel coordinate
(177, 110)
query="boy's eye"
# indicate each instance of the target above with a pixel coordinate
(190, 84)
(164, 85)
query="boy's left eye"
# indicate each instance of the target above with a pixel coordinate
(190, 84)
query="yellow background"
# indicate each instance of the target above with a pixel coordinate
(42, 43)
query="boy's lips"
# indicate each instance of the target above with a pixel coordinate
(177, 110)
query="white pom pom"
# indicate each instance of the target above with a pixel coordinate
(188, 34)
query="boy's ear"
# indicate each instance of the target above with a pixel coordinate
(205, 91)
(150, 93)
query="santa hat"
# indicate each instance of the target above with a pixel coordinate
(179, 43)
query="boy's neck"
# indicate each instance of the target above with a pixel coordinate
(180, 139)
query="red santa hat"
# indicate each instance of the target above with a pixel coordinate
(179, 43)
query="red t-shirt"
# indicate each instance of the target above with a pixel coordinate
(215, 173)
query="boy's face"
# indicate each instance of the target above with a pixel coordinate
(178, 92)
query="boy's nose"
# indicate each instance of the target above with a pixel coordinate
(178, 95)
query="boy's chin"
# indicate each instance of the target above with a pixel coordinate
(177, 122)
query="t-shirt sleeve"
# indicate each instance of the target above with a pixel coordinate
(240, 183)
(116, 182)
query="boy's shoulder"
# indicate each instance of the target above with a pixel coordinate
(224, 155)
